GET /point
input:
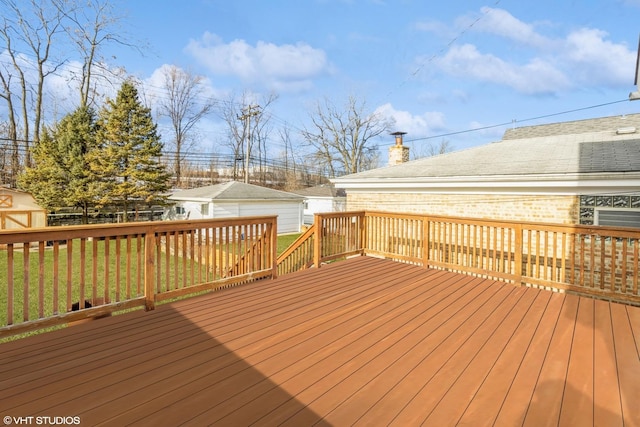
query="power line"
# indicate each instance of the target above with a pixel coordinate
(545, 116)
(430, 59)
(509, 123)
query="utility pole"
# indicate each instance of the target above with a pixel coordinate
(250, 111)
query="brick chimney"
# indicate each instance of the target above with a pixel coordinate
(398, 153)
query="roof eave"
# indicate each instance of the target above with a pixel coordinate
(190, 199)
(493, 182)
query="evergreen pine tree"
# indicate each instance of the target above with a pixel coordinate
(75, 139)
(128, 156)
(45, 180)
(61, 176)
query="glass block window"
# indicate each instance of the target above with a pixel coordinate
(586, 201)
(605, 210)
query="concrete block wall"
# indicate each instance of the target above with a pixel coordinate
(561, 209)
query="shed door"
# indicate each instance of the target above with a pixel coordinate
(15, 220)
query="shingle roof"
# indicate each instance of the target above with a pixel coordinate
(570, 153)
(233, 190)
(321, 191)
(600, 124)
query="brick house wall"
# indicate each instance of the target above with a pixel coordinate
(558, 209)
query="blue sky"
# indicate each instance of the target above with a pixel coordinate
(439, 69)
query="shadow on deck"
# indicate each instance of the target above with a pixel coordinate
(364, 341)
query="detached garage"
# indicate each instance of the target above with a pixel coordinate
(237, 199)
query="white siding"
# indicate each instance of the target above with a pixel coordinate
(317, 205)
(323, 205)
(290, 213)
(192, 210)
(225, 210)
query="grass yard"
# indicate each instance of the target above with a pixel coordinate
(34, 275)
(124, 274)
(285, 240)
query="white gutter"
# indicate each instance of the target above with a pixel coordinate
(552, 183)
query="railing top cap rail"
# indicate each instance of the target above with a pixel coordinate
(340, 214)
(601, 230)
(121, 229)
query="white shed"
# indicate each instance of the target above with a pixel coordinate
(237, 199)
(322, 199)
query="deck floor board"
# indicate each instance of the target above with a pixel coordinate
(365, 341)
(488, 400)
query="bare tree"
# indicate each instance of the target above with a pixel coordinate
(91, 28)
(5, 153)
(31, 26)
(431, 150)
(236, 130)
(185, 104)
(247, 141)
(259, 134)
(292, 164)
(342, 139)
(36, 36)
(11, 166)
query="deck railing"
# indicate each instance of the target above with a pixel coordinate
(50, 276)
(55, 275)
(600, 261)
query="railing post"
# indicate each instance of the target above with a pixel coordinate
(364, 238)
(518, 253)
(317, 242)
(149, 270)
(273, 238)
(425, 241)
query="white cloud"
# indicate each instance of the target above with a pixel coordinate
(595, 59)
(154, 85)
(535, 77)
(415, 125)
(503, 24)
(583, 58)
(285, 67)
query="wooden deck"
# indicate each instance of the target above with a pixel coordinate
(359, 342)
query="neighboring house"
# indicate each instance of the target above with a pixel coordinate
(580, 172)
(20, 210)
(237, 199)
(322, 199)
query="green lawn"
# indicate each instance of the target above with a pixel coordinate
(26, 272)
(128, 272)
(285, 240)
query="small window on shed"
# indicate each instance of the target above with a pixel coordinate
(180, 210)
(618, 217)
(204, 209)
